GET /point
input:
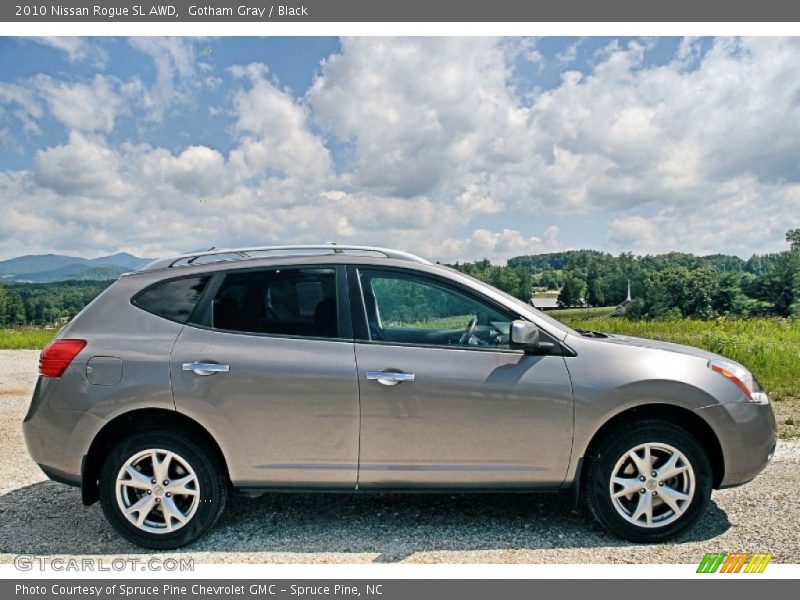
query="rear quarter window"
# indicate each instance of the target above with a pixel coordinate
(174, 299)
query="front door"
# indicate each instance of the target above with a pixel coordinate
(269, 370)
(445, 402)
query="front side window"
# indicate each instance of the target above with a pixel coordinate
(404, 308)
(174, 299)
(296, 302)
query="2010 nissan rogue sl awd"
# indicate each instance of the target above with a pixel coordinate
(352, 368)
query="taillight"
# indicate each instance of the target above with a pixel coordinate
(57, 356)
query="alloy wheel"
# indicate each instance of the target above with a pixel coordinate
(157, 491)
(652, 485)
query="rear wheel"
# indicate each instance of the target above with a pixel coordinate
(649, 483)
(161, 490)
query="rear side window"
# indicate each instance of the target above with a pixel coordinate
(297, 302)
(174, 299)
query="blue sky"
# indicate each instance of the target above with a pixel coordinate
(455, 148)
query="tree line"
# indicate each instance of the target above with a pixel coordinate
(675, 284)
(45, 303)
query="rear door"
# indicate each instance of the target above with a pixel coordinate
(445, 401)
(266, 363)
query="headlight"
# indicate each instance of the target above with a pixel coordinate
(741, 377)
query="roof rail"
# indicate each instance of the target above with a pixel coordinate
(232, 254)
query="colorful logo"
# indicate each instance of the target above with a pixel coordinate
(734, 562)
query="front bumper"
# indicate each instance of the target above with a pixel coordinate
(748, 435)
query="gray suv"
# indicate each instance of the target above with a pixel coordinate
(365, 369)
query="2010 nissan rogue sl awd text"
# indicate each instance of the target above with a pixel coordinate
(353, 368)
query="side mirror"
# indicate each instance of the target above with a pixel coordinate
(525, 335)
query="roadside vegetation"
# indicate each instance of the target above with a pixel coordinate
(28, 338)
(662, 286)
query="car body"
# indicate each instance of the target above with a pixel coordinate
(352, 368)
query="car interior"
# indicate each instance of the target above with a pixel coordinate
(289, 302)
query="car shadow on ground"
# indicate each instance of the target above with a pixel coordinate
(48, 518)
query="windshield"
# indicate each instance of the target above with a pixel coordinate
(522, 306)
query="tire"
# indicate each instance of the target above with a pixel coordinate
(676, 503)
(171, 515)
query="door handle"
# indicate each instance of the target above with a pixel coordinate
(199, 368)
(389, 377)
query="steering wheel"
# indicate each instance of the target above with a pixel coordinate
(465, 337)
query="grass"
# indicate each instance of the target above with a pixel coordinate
(27, 338)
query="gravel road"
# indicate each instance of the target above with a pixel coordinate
(38, 516)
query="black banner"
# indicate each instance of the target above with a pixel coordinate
(407, 11)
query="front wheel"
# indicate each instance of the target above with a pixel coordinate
(650, 483)
(161, 490)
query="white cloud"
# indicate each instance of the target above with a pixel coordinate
(197, 171)
(76, 48)
(83, 166)
(522, 49)
(634, 232)
(23, 104)
(425, 115)
(437, 117)
(275, 139)
(498, 246)
(91, 106)
(176, 71)
(570, 53)
(434, 152)
(741, 216)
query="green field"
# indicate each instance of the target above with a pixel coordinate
(29, 338)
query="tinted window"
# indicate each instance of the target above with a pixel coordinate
(404, 308)
(175, 299)
(299, 302)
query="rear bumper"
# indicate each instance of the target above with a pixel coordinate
(59, 477)
(58, 439)
(748, 435)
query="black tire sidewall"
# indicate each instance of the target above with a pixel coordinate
(611, 450)
(211, 481)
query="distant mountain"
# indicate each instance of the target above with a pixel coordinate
(57, 267)
(122, 259)
(36, 263)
